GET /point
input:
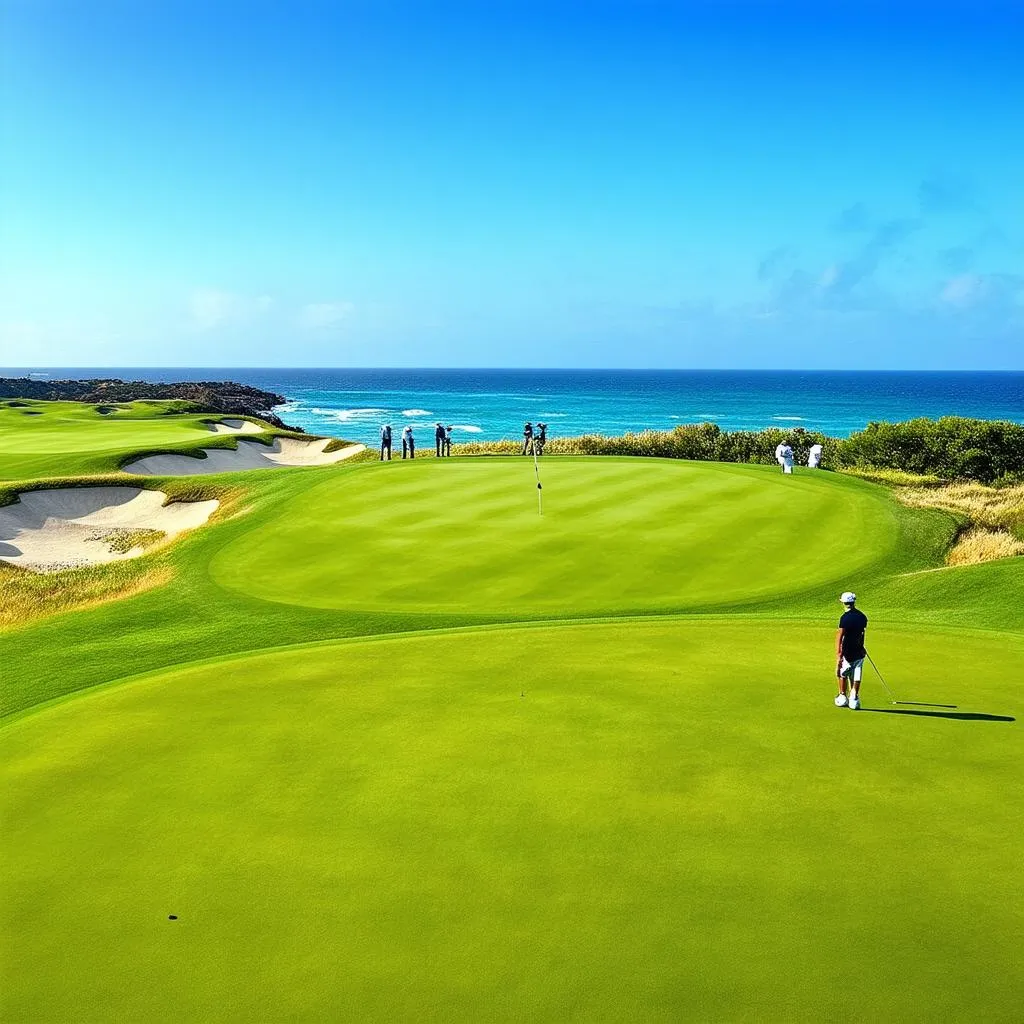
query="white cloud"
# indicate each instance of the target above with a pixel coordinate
(211, 308)
(322, 316)
(963, 290)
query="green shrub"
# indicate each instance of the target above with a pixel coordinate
(952, 447)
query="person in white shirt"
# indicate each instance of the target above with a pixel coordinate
(778, 451)
(408, 444)
(787, 459)
(814, 456)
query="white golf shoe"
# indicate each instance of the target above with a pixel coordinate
(854, 702)
(841, 700)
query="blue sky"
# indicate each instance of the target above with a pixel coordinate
(642, 184)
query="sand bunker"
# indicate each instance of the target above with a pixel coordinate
(285, 451)
(74, 526)
(229, 426)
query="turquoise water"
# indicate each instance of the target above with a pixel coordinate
(490, 404)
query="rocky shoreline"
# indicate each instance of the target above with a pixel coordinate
(222, 397)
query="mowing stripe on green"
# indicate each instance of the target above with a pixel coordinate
(616, 536)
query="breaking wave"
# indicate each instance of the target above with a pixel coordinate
(347, 415)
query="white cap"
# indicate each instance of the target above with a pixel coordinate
(848, 597)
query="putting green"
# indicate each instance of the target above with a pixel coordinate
(660, 821)
(617, 535)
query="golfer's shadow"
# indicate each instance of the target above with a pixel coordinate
(959, 716)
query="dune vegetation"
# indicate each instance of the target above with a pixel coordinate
(381, 741)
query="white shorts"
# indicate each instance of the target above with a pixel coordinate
(851, 669)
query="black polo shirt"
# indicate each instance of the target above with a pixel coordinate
(853, 623)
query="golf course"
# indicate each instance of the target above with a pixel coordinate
(378, 741)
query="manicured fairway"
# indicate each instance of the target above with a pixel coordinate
(647, 821)
(58, 438)
(616, 535)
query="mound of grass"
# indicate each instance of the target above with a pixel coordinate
(465, 537)
(72, 438)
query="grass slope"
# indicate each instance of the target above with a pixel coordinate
(39, 439)
(659, 821)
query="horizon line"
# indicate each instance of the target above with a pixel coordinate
(40, 368)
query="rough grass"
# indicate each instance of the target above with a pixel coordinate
(998, 508)
(123, 540)
(991, 518)
(979, 544)
(894, 477)
(27, 596)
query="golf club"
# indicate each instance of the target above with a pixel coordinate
(893, 695)
(882, 679)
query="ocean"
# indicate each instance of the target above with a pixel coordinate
(492, 404)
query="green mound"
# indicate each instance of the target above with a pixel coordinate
(655, 821)
(617, 535)
(63, 438)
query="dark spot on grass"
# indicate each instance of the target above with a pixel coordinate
(172, 917)
(31, 412)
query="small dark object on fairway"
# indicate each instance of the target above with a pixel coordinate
(172, 917)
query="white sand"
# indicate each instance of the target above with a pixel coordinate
(232, 426)
(71, 526)
(285, 451)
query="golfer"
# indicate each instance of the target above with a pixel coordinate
(540, 438)
(408, 443)
(385, 442)
(528, 438)
(850, 651)
(778, 451)
(439, 440)
(446, 448)
(814, 456)
(787, 459)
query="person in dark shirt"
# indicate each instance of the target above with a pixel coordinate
(540, 438)
(385, 442)
(439, 441)
(527, 438)
(850, 652)
(446, 448)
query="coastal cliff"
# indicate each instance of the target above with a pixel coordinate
(222, 397)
